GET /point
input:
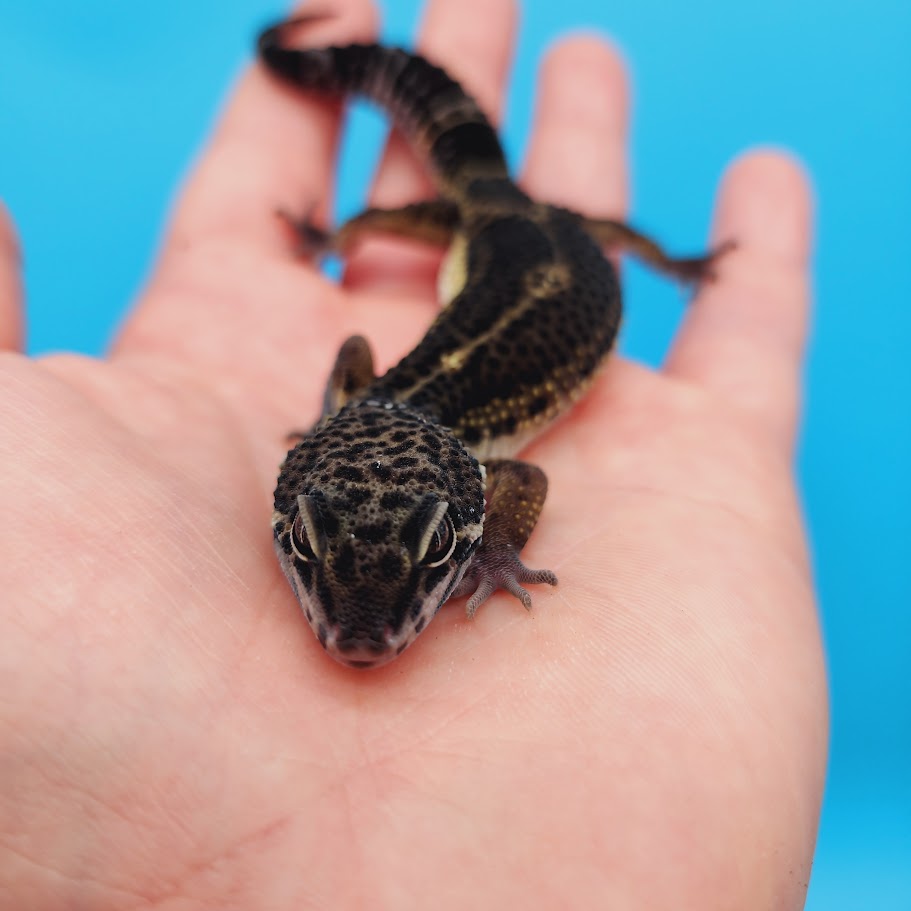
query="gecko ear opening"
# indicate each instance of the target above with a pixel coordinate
(308, 538)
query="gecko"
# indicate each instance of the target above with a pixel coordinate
(407, 492)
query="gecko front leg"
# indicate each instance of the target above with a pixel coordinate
(516, 493)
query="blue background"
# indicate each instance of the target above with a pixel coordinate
(103, 105)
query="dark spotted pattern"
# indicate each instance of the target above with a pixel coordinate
(538, 311)
(423, 99)
(368, 580)
(538, 314)
(535, 310)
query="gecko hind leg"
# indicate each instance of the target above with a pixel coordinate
(516, 493)
(616, 235)
(432, 221)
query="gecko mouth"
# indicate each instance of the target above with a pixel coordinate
(365, 650)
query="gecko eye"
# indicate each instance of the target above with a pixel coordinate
(441, 545)
(300, 540)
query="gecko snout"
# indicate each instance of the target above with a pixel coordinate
(362, 650)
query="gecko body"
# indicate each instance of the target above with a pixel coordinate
(406, 492)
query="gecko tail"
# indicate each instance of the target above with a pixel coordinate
(442, 120)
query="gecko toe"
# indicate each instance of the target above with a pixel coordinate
(484, 590)
(702, 269)
(501, 568)
(310, 242)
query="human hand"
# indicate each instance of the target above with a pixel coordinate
(652, 735)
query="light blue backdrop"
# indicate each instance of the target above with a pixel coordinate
(102, 106)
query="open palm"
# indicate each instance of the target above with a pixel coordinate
(652, 735)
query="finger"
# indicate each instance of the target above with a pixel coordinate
(274, 148)
(480, 59)
(11, 315)
(744, 336)
(577, 157)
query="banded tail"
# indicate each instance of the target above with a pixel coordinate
(431, 108)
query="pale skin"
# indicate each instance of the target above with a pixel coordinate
(652, 735)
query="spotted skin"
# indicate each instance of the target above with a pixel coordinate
(377, 470)
(380, 512)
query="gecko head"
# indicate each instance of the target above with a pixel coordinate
(377, 515)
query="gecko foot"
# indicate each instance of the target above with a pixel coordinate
(310, 242)
(499, 568)
(702, 268)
